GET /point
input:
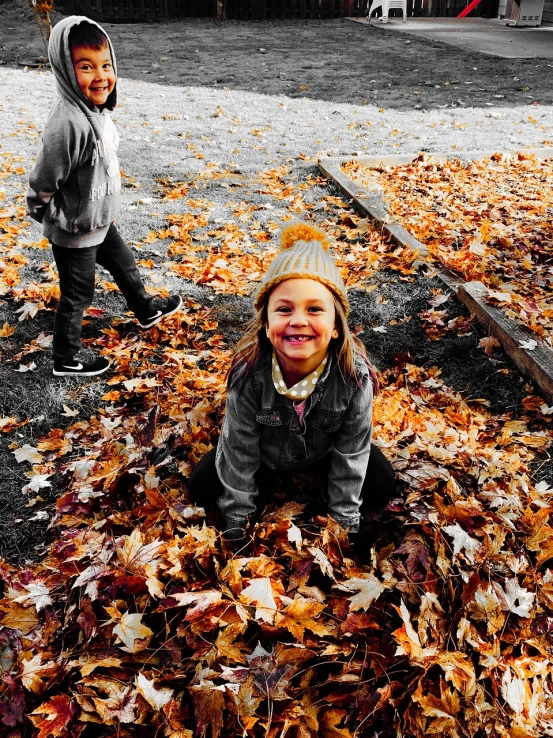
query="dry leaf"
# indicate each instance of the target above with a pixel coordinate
(132, 631)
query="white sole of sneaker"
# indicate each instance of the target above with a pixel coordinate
(159, 318)
(58, 373)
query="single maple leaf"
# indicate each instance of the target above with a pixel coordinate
(271, 676)
(513, 592)
(209, 703)
(515, 691)
(155, 587)
(293, 535)
(28, 311)
(54, 717)
(37, 594)
(227, 645)
(133, 632)
(20, 618)
(133, 553)
(446, 707)
(34, 673)
(322, 561)
(300, 615)
(27, 453)
(488, 343)
(260, 592)
(8, 424)
(462, 540)
(231, 574)
(199, 415)
(202, 601)
(486, 606)
(38, 482)
(157, 698)
(89, 576)
(91, 664)
(118, 707)
(417, 562)
(370, 589)
(7, 330)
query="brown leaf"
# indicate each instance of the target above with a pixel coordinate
(226, 644)
(53, 717)
(209, 704)
(329, 723)
(270, 675)
(300, 615)
(20, 618)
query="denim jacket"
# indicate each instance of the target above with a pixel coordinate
(262, 425)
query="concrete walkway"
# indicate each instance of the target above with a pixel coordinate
(486, 35)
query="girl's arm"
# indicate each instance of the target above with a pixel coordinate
(349, 458)
(238, 460)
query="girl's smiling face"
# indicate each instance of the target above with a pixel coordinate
(301, 321)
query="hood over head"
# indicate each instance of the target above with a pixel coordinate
(59, 54)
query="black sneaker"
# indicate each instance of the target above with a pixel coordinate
(74, 367)
(159, 308)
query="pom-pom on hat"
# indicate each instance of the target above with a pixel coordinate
(304, 255)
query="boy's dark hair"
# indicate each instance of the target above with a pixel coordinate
(87, 35)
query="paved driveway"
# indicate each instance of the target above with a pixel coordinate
(478, 34)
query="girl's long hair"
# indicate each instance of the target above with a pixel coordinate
(347, 348)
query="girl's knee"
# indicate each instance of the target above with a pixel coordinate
(204, 486)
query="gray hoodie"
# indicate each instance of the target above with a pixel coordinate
(75, 186)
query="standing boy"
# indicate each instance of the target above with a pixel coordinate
(74, 191)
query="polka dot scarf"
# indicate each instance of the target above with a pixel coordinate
(302, 389)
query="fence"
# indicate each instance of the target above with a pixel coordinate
(145, 10)
(293, 9)
(155, 10)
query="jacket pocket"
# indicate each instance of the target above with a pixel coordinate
(321, 428)
(326, 421)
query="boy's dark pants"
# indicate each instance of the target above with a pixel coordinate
(205, 487)
(77, 273)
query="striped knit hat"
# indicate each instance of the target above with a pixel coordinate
(304, 255)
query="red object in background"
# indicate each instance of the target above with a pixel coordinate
(468, 9)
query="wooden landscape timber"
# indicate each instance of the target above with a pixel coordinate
(536, 363)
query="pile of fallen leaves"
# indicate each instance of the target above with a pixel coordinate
(141, 622)
(487, 220)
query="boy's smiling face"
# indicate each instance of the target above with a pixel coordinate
(94, 72)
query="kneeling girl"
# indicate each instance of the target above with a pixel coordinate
(300, 393)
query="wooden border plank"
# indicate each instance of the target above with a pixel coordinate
(537, 364)
(390, 160)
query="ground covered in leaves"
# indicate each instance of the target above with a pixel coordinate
(487, 220)
(122, 612)
(140, 622)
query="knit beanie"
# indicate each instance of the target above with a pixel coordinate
(304, 255)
